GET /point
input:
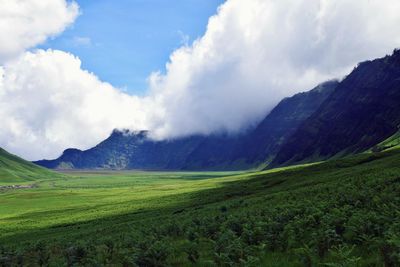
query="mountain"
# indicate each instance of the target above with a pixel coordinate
(332, 120)
(16, 170)
(363, 111)
(127, 150)
(261, 144)
(135, 150)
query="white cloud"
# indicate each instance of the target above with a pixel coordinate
(27, 23)
(48, 103)
(256, 52)
(253, 53)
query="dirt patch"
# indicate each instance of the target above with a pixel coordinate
(16, 186)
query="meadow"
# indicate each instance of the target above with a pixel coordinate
(337, 213)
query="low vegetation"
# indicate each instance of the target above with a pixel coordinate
(337, 213)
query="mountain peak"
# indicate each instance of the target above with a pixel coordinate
(396, 52)
(71, 151)
(128, 132)
(331, 84)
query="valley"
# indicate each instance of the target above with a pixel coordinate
(336, 211)
(223, 133)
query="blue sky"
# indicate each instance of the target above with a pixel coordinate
(123, 43)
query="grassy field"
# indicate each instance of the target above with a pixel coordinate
(79, 197)
(338, 213)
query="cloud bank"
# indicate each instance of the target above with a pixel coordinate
(48, 103)
(253, 54)
(256, 52)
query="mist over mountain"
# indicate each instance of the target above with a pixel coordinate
(333, 119)
(136, 150)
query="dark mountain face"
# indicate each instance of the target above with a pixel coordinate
(362, 111)
(259, 145)
(127, 150)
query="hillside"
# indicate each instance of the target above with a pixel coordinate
(134, 150)
(337, 213)
(14, 170)
(390, 143)
(363, 111)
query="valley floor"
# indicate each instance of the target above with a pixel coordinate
(337, 213)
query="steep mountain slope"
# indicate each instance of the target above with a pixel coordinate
(363, 111)
(259, 145)
(16, 170)
(126, 150)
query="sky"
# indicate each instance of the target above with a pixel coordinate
(72, 71)
(140, 33)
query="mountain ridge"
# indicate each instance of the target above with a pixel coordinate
(363, 111)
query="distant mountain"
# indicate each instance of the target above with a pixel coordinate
(14, 170)
(127, 150)
(363, 111)
(135, 150)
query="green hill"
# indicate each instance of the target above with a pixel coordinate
(14, 170)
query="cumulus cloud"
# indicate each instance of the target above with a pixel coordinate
(48, 103)
(254, 53)
(27, 23)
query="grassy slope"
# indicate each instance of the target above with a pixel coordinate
(391, 142)
(282, 217)
(14, 170)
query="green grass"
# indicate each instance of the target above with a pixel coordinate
(342, 212)
(14, 170)
(88, 196)
(391, 143)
